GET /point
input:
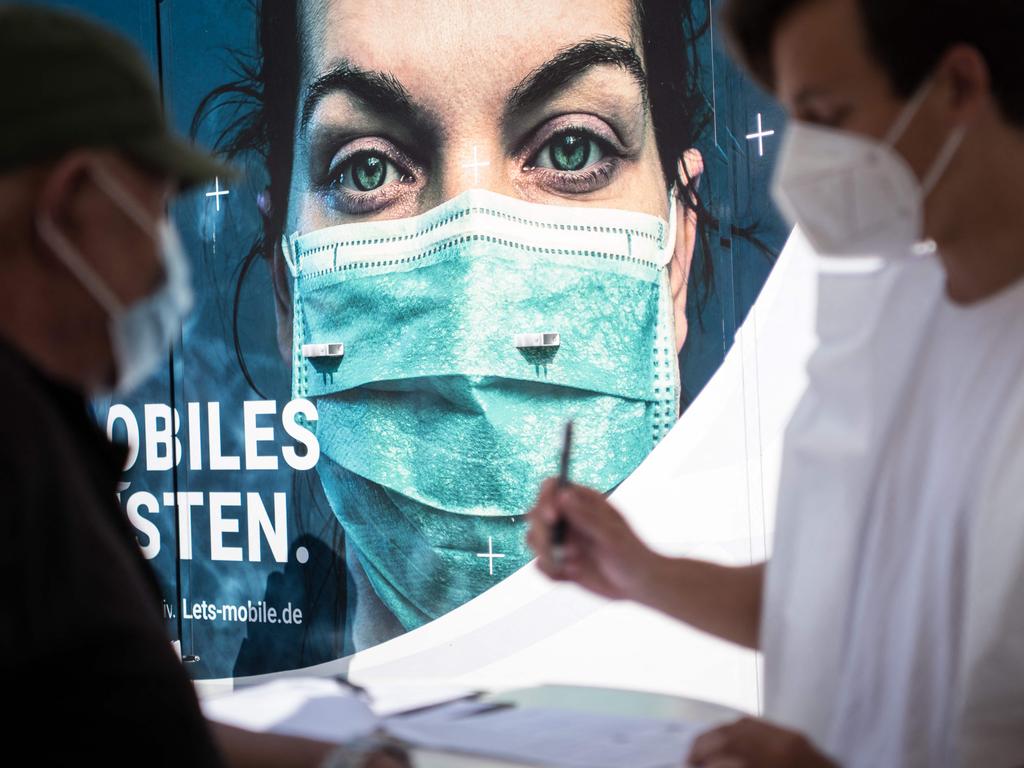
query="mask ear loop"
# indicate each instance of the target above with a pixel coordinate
(946, 155)
(669, 247)
(288, 253)
(949, 148)
(71, 259)
(895, 133)
(106, 181)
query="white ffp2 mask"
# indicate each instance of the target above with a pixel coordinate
(852, 195)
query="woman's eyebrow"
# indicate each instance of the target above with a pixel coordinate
(385, 94)
(380, 91)
(571, 63)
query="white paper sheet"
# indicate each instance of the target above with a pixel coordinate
(391, 697)
(321, 708)
(316, 708)
(549, 737)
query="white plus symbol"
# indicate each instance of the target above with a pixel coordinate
(216, 194)
(490, 556)
(760, 136)
(476, 165)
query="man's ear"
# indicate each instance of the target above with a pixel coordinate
(970, 82)
(688, 172)
(282, 280)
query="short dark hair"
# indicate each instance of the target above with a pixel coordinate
(907, 37)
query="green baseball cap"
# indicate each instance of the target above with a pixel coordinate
(68, 83)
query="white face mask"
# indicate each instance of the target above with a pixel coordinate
(853, 195)
(140, 334)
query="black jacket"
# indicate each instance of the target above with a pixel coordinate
(86, 665)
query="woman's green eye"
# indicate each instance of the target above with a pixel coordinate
(570, 151)
(366, 171)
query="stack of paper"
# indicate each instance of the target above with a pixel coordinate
(323, 709)
(554, 737)
(316, 708)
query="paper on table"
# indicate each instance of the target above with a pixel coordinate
(391, 697)
(442, 713)
(316, 708)
(552, 737)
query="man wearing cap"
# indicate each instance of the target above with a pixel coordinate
(93, 287)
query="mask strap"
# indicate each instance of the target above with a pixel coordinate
(949, 149)
(943, 160)
(73, 260)
(289, 257)
(670, 240)
(116, 191)
(909, 112)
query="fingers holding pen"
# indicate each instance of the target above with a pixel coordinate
(543, 510)
(588, 513)
(544, 518)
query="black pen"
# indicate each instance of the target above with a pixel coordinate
(560, 529)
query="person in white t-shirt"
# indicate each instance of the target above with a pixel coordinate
(891, 613)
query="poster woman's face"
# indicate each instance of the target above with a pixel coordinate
(407, 103)
(434, 451)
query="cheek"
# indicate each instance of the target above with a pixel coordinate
(297, 205)
(151, 269)
(127, 260)
(649, 187)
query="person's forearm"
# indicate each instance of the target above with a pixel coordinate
(722, 600)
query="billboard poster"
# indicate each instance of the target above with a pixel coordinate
(456, 225)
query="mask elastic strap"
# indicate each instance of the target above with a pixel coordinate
(909, 112)
(106, 181)
(670, 241)
(949, 148)
(289, 256)
(71, 259)
(943, 160)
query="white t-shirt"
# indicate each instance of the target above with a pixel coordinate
(893, 623)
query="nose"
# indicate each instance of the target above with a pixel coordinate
(472, 163)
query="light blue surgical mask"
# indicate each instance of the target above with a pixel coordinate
(140, 334)
(444, 353)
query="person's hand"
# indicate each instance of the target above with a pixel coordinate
(751, 743)
(601, 552)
